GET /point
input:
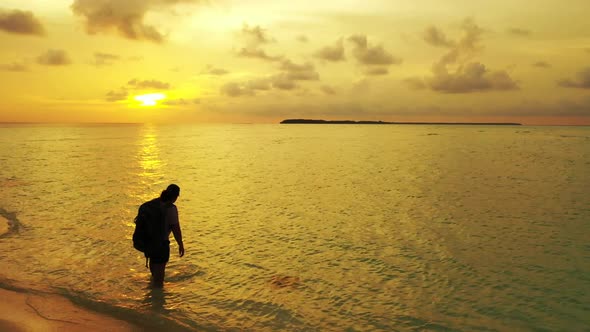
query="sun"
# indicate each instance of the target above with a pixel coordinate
(150, 99)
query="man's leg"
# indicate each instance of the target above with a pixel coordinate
(158, 265)
(158, 271)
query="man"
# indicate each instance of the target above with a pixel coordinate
(160, 256)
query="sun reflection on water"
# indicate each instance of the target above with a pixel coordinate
(149, 154)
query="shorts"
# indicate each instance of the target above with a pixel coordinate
(162, 255)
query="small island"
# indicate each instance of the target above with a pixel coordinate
(312, 121)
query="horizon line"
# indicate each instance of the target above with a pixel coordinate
(278, 123)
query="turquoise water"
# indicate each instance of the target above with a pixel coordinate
(308, 227)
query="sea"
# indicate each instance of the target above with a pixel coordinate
(307, 227)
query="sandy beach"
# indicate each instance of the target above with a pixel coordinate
(21, 311)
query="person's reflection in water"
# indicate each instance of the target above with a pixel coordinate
(156, 298)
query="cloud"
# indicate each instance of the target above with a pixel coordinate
(20, 22)
(261, 84)
(472, 77)
(535, 107)
(435, 37)
(361, 86)
(343, 108)
(460, 50)
(233, 89)
(250, 87)
(117, 95)
(582, 80)
(466, 46)
(415, 83)
(105, 59)
(290, 73)
(371, 55)
(328, 90)
(257, 53)
(126, 18)
(283, 82)
(210, 70)
(455, 71)
(299, 72)
(255, 35)
(573, 108)
(302, 39)
(123, 92)
(148, 84)
(254, 38)
(54, 58)
(519, 32)
(15, 67)
(375, 71)
(541, 64)
(181, 102)
(332, 53)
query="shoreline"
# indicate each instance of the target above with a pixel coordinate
(30, 307)
(36, 311)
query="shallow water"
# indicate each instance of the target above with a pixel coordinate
(309, 227)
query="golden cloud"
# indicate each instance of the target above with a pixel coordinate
(371, 55)
(15, 67)
(455, 72)
(435, 37)
(54, 58)
(20, 22)
(581, 81)
(332, 53)
(148, 84)
(105, 59)
(210, 70)
(126, 18)
(472, 77)
(519, 32)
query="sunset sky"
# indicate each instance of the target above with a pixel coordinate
(261, 61)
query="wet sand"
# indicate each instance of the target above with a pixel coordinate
(3, 228)
(6, 325)
(43, 312)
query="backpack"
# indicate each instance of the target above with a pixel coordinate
(149, 227)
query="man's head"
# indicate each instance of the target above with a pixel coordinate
(171, 193)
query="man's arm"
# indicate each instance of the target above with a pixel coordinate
(175, 227)
(178, 237)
